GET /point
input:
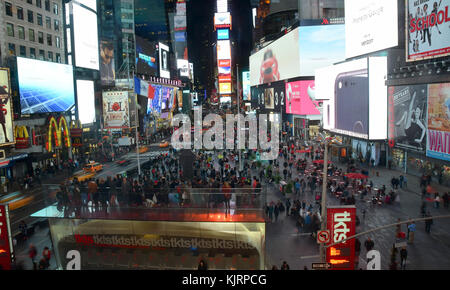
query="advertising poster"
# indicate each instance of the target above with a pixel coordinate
(107, 67)
(146, 57)
(366, 24)
(438, 140)
(268, 98)
(246, 86)
(428, 34)
(6, 113)
(300, 98)
(45, 87)
(408, 116)
(86, 38)
(223, 50)
(183, 67)
(116, 110)
(278, 61)
(86, 101)
(224, 88)
(222, 20)
(5, 239)
(164, 71)
(180, 22)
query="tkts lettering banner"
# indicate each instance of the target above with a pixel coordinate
(115, 110)
(341, 223)
(6, 118)
(438, 141)
(428, 34)
(407, 116)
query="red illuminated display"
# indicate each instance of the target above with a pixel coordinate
(341, 224)
(5, 251)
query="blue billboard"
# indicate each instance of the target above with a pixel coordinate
(223, 34)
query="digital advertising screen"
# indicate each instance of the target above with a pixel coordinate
(6, 112)
(356, 98)
(300, 98)
(438, 141)
(86, 101)
(222, 20)
(116, 113)
(366, 26)
(223, 49)
(86, 38)
(276, 61)
(246, 86)
(164, 70)
(146, 57)
(107, 65)
(45, 87)
(224, 88)
(180, 22)
(223, 34)
(428, 34)
(320, 46)
(222, 6)
(183, 67)
(268, 98)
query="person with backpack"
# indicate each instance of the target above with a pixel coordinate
(285, 266)
(403, 256)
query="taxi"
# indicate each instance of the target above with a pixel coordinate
(93, 167)
(164, 144)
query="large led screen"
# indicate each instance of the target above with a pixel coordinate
(222, 20)
(438, 141)
(223, 34)
(164, 70)
(183, 67)
(370, 25)
(246, 86)
(86, 101)
(428, 34)
(351, 88)
(223, 49)
(107, 66)
(86, 38)
(45, 87)
(146, 57)
(320, 46)
(278, 61)
(407, 116)
(6, 112)
(300, 98)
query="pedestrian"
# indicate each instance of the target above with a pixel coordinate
(401, 179)
(285, 266)
(405, 182)
(288, 207)
(202, 265)
(369, 244)
(445, 199)
(47, 255)
(276, 211)
(403, 256)
(24, 230)
(398, 228)
(428, 223)
(437, 200)
(271, 209)
(412, 230)
(32, 252)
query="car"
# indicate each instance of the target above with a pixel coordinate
(93, 167)
(164, 144)
(123, 162)
(83, 176)
(143, 149)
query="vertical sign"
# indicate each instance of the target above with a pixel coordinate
(5, 239)
(115, 110)
(6, 112)
(341, 224)
(438, 141)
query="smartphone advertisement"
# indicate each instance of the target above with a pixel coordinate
(300, 98)
(351, 88)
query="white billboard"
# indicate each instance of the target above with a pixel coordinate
(222, 6)
(86, 101)
(223, 49)
(86, 38)
(278, 61)
(222, 19)
(164, 70)
(183, 66)
(356, 97)
(89, 3)
(370, 25)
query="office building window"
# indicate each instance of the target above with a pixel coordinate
(57, 42)
(41, 37)
(58, 57)
(21, 30)
(32, 52)
(48, 22)
(8, 9)
(39, 3)
(49, 39)
(31, 35)
(55, 8)
(20, 13)
(41, 54)
(12, 48)
(30, 1)
(39, 19)
(30, 16)
(50, 56)
(47, 5)
(23, 51)
(56, 24)
(10, 29)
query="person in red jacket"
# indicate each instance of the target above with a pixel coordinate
(46, 254)
(32, 252)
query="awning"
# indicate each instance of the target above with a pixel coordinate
(8, 162)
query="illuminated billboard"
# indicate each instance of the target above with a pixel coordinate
(164, 71)
(224, 88)
(107, 67)
(116, 110)
(222, 20)
(86, 38)
(222, 6)
(6, 112)
(246, 86)
(428, 32)
(45, 87)
(146, 57)
(223, 34)
(183, 67)
(366, 24)
(300, 98)
(223, 50)
(86, 101)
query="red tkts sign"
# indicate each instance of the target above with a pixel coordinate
(341, 224)
(5, 239)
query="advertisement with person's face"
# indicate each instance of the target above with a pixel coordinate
(278, 61)
(107, 68)
(164, 71)
(428, 32)
(438, 141)
(6, 118)
(300, 98)
(407, 116)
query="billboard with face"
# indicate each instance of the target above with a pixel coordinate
(107, 67)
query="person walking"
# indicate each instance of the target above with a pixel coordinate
(32, 253)
(437, 200)
(369, 244)
(276, 211)
(46, 254)
(271, 209)
(285, 266)
(428, 223)
(202, 266)
(445, 199)
(412, 230)
(288, 207)
(403, 256)
(24, 230)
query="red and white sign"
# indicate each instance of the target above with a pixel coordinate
(225, 79)
(5, 239)
(301, 99)
(224, 62)
(323, 237)
(341, 224)
(222, 20)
